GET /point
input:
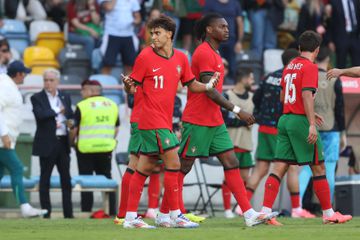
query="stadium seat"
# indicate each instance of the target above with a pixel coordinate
(213, 187)
(35, 53)
(5, 182)
(39, 26)
(32, 84)
(15, 54)
(272, 60)
(74, 61)
(116, 95)
(72, 79)
(52, 40)
(248, 59)
(16, 34)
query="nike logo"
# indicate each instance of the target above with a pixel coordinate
(156, 69)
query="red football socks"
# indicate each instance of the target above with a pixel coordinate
(136, 186)
(154, 190)
(322, 191)
(236, 185)
(295, 200)
(249, 193)
(171, 188)
(226, 194)
(271, 190)
(125, 183)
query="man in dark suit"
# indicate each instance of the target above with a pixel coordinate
(52, 110)
(344, 30)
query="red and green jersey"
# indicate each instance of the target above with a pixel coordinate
(200, 109)
(136, 110)
(299, 75)
(159, 77)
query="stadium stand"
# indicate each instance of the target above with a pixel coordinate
(16, 33)
(107, 80)
(39, 26)
(52, 40)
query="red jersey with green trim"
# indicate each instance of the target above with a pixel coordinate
(300, 74)
(136, 110)
(159, 78)
(200, 109)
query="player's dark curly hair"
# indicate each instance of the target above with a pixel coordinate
(205, 21)
(309, 41)
(164, 22)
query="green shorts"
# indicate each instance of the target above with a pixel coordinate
(135, 140)
(202, 141)
(158, 141)
(292, 146)
(245, 159)
(266, 146)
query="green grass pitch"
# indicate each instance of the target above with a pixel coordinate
(215, 228)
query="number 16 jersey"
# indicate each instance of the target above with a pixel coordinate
(159, 77)
(298, 76)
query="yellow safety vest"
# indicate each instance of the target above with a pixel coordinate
(97, 125)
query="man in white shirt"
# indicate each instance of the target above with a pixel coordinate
(10, 120)
(121, 16)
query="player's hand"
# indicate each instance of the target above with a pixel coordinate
(6, 141)
(238, 47)
(319, 120)
(129, 84)
(312, 138)
(247, 117)
(214, 80)
(333, 73)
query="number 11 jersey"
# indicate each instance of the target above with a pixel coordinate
(159, 77)
(298, 76)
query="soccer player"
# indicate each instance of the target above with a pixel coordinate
(158, 70)
(268, 109)
(204, 130)
(297, 140)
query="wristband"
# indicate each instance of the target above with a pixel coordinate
(209, 86)
(236, 109)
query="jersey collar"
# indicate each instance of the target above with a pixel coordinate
(167, 58)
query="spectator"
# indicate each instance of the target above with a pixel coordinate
(5, 55)
(95, 129)
(84, 20)
(52, 110)
(329, 103)
(119, 33)
(344, 29)
(55, 10)
(25, 10)
(239, 131)
(10, 120)
(265, 16)
(232, 12)
(353, 163)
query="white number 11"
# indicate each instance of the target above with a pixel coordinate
(158, 79)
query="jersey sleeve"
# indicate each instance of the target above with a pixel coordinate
(187, 75)
(139, 69)
(310, 78)
(204, 63)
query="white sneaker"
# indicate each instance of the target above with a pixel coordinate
(27, 211)
(182, 222)
(259, 218)
(229, 214)
(151, 213)
(163, 220)
(137, 223)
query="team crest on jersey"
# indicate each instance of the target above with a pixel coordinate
(193, 149)
(167, 141)
(178, 68)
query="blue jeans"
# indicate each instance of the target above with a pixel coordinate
(10, 161)
(263, 32)
(331, 145)
(87, 41)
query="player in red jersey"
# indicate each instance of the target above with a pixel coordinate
(204, 130)
(158, 70)
(297, 140)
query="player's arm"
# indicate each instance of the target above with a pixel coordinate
(308, 100)
(198, 87)
(129, 84)
(220, 100)
(349, 72)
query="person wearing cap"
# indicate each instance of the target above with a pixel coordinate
(11, 104)
(52, 110)
(96, 123)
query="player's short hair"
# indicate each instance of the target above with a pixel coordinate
(288, 55)
(323, 54)
(202, 23)
(164, 22)
(242, 73)
(309, 41)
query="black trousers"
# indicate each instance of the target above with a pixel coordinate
(61, 159)
(349, 45)
(100, 163)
